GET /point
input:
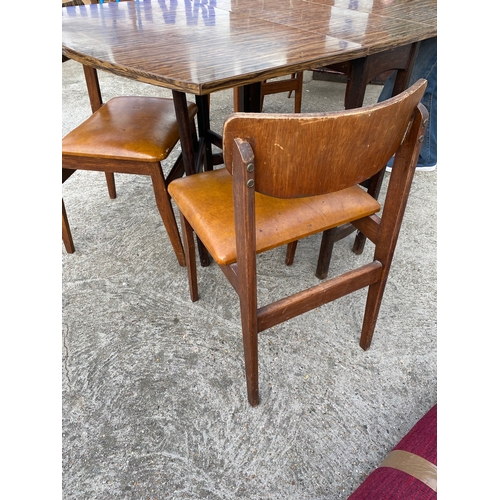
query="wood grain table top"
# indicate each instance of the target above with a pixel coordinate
(203, 46)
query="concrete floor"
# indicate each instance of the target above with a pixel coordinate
(154, 397)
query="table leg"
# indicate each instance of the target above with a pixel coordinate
(188, 148)
(404, 74)
(363, 70)
(202, 101)
(188, 153)
(93, 87)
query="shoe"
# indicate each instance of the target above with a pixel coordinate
(429, 168)
(418, 169)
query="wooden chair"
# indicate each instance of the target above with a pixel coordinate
(129, 135)
(291, 84)
(290, 176)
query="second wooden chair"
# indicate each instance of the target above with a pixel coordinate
(130, 135)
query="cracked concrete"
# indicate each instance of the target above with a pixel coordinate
(154, 397)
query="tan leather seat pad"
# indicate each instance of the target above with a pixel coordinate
(205, 199)
(127, 128)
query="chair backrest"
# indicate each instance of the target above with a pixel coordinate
(317, 153)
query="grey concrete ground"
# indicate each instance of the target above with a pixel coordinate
(154, 398)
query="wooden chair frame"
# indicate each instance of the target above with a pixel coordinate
(382, 231)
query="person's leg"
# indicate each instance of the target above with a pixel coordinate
(425, 67)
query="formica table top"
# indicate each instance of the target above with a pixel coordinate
(204, 46)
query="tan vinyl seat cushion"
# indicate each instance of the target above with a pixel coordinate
(127, 128)
(206, 201)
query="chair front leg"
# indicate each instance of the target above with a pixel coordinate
(167, 214)
(290, 252)
(250, 347)
(244, 220)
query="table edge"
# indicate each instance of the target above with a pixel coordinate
(228, 83)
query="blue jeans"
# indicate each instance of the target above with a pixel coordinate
(425, 67)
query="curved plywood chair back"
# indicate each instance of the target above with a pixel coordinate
(317, 153)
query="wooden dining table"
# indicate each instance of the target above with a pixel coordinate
(203, 46)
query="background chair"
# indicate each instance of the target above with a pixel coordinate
(130, 135)
(291, 84)
(290, 176)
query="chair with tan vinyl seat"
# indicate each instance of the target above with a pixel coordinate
(291, 176)
(130, 135)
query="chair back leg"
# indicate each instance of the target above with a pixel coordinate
(325, 253)
(250, 343)
(290, 253)
(372, 308)
(401, 180)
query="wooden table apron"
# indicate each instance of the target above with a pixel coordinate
(203, 46)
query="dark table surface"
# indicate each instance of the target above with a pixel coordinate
(209, 45)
